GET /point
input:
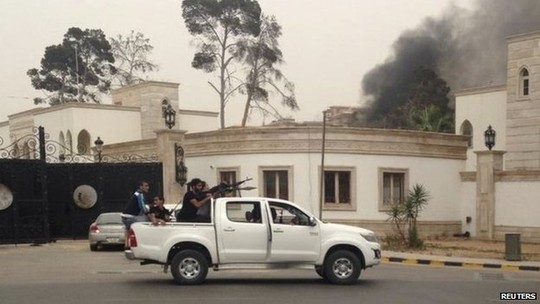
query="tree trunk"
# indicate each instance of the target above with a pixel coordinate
(246, 109)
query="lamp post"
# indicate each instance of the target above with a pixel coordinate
(489, 137)
(99, 147)
(321, 190)
(170, 116)
(75, 47)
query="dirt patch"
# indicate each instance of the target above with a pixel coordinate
(472, 248)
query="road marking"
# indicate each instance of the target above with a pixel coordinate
(472, 265)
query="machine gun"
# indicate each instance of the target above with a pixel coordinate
(223, 188)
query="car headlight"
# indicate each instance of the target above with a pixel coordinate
(370, 237)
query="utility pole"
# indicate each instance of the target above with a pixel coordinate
(321, 190)
(75, 47)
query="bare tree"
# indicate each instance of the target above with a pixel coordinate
(262, 54)
(131, 56)
(219, 26)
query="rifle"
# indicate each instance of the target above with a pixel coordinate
(224, 188)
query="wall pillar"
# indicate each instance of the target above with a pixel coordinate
(487, 163)
(166, 140)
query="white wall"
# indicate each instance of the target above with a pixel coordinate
(467, 205)
(517, 204)
(4, 134)
(482, 108)
(195, 121)
(112, 126)
(439, 176)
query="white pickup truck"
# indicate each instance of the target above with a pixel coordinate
(255, 233)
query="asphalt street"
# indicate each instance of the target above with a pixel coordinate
(68, 272)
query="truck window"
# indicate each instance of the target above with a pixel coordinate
(244, 212)
(286, 214)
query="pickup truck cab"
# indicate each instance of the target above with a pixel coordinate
(255, 233)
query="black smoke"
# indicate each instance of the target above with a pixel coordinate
(466, 48)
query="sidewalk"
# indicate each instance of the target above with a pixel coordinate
(451, 261)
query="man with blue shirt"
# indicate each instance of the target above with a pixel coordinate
(136, 209)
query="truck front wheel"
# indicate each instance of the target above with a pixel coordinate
(342, 267)
(189, 267)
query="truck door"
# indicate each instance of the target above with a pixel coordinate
(292, 238)
(242, 235)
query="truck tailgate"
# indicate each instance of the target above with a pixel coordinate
(155, 242)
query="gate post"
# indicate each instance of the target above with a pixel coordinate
(44, 186)
(166, 140)
(41, 134)
(488, 163)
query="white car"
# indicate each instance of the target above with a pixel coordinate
(107, 230)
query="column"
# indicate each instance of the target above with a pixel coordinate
(487, 163)
(166, 140)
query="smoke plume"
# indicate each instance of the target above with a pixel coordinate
(465, 48)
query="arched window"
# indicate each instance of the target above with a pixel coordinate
(83, 142)
(62, 142)
(524, 88)
(69, 142)
(466, 129)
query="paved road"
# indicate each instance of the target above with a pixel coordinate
(67, 272)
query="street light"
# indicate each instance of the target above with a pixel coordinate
(321, 192)
(170, 116)
(489, 137)
(99, 147)
(75, 46)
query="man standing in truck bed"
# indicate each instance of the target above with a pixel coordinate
(194, 199)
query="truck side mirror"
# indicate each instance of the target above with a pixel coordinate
(312, 221)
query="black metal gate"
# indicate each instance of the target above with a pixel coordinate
(25, 220)
(113, 184)
(46, 199)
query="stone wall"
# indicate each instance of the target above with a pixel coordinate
(523, 112)
(149, 96)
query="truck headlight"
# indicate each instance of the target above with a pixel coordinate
(370, 237)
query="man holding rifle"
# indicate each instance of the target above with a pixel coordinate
(195, 205)
(194, 199)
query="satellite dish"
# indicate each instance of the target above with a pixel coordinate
(6, 197)
(85, 196)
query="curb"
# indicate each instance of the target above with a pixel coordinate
(474, 265)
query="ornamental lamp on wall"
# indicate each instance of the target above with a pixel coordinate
(170, 116)
(99, 147)
(489, 137)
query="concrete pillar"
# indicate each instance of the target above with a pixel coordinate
(488, 162)
(166, 140)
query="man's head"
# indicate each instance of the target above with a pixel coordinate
(159, 200)
(196, 185)
(143, 186)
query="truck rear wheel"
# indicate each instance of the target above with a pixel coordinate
(342, 267)
(189, 267)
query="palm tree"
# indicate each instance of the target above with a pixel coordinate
(416, 200)
(431, 119)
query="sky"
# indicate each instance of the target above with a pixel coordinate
(327, 46)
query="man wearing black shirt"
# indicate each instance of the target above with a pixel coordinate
(158, 214)
(193, 200)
